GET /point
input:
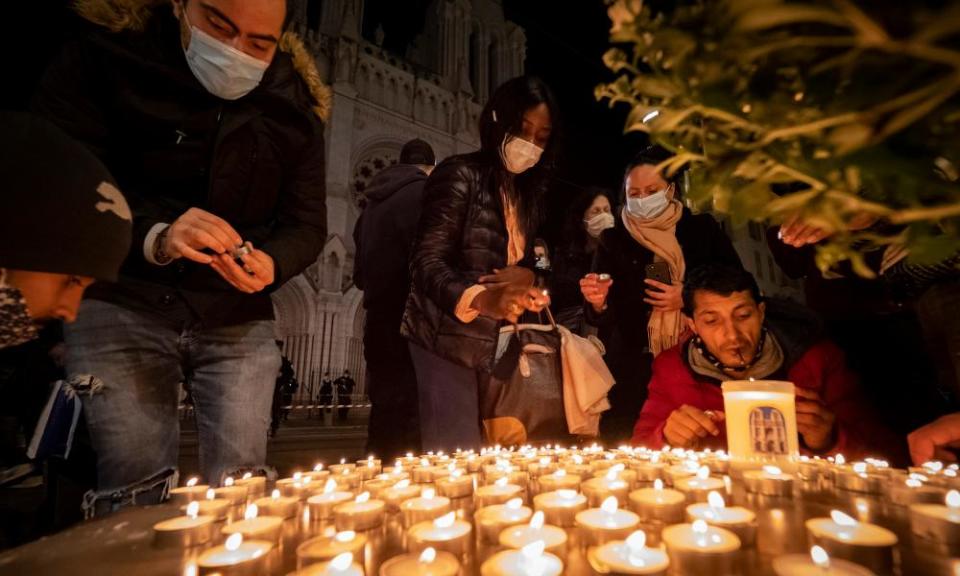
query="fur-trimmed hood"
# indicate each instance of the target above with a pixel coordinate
(133, 15)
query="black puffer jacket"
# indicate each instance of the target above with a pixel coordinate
(124, 89)
(462, 236)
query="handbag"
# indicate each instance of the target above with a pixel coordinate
(523, 400)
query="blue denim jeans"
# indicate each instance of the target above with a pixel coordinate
(449, 402)
(137, 358)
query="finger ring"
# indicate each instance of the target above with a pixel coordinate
(709, 414)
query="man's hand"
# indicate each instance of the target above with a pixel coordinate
(814, 421)
(931, 442)
(687, 425)
(595, 290)
(257, 272)
(197, 230)
(665, 297)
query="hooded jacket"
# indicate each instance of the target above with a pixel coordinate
(124, 89)
(384, 237)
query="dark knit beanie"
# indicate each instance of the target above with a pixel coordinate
(60, 210)
(417, 152)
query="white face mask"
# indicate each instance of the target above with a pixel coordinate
(519, 155)
(649, 206)
(223, 70)
(596, 224)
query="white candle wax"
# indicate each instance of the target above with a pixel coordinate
(255, 527)
(658, 503)
(698, 486)
(817, 563)
(736, 519)
(235, 557)
(860, 542)
(554, 538)
(530, 561)
(560, 507)
(342, 565)
(769, 481)
(425, 508)
(607, 523)
(761, 422)
(445, 533)
(327, 547)
(630, 557)
(494, 519)
(426, 563)
(322, 505)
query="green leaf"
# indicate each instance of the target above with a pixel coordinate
(770, 17)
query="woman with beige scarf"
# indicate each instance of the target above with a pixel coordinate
(638, 316)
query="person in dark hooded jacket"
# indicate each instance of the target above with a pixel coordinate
(384, 237)
(210, 117)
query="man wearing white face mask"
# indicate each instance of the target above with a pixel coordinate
(643, 260)
(210, 116)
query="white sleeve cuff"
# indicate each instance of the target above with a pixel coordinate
(151, 240)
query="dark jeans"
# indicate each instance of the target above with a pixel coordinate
(137, 359)
(449, 402)
(394, 426)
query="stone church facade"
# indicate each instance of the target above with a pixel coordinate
(381, 100)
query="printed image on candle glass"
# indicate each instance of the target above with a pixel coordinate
(768, 430)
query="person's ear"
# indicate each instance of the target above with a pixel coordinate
(690, 324)
(762, 307)
(178, 8)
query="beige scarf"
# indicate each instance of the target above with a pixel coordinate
(659, 235)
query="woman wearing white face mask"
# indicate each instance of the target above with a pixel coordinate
(472, 264)
(642, 314)
(590, 213)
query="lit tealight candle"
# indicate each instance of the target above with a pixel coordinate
(701, 549)
(658, 503)
(697, 487)
(361, 514)
(187, 493)
(736, 519)
(768, 481)
(398, 494)
(860, 542)
(560, 507)
(237, 495)
(235, 558)
(256, 485)
(938, 523)
(219, 508)
(297, 486)
(649, 470)
(342, 565)
(425, 508)
(913, 491)
(456, 485)
(530, 561)
(322, 505)
(184, 531)
(444, 533)
(496, 493)
(368, 468)
(423, 473)
(277, 505)
(256, 527)
(554, 538)
(606, 523)
(426, 563)
(599, 489)
(817, 563)
(329, 546)
(493, 520)
(859, 477)
(630, 557)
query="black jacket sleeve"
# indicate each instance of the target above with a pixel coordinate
(446, 201)
(301, 225)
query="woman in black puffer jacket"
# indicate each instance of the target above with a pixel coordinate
(471, 264)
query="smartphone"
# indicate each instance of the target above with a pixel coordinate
(659, 271)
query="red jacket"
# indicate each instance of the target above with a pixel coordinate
(820, 368)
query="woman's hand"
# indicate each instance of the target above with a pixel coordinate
(595, 290)
(666, 297)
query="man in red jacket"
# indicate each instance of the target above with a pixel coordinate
(732, 341)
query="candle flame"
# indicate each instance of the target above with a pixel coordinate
(428, 556)
(514, 503)
(275, 495)
(501, 481)
(820, 557)
(560, 473)
(618, 467)
(456, 473)
(658, 484)
(913, 483)
(297, 476)
(703, 473)
(611, 474)
(251, 512)
(343, 461)
(192, 482)
(446, 520)
(840, 460)
(953, 499)
(774, 470)
(609, 505)
(345, 536)
(577, 459)
(318, 467)
(424, 463)
(545, 461)
(211, 494)
(699, 526)
(233, 542)
(228, 482)
(533, 550)
(536, 522)
(637, 541)
(428, 494)
(933, 466)
(860, 467)
(330, 486)
(193, 509)
(405, 483)
(567, 494)
(842, 519)
(365, 497)
(248, 476)
(715, 500)
(342, 562)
